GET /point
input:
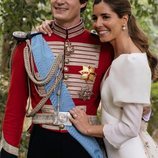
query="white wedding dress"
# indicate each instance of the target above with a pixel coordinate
(125, 90)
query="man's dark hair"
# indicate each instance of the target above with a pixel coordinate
(82, 2)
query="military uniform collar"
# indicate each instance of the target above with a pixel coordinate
(68, 32)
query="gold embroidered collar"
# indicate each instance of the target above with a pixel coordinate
(69, 32)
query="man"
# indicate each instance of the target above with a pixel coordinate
(57, 72)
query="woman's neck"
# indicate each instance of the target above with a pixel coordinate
(124, 46)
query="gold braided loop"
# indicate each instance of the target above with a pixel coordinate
(43, 100)
(47, 79)
(52, 71)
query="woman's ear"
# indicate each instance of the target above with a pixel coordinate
(125, 19)
(124, 22)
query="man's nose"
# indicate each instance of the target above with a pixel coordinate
(60, 1)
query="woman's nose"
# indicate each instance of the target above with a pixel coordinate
(98, 23)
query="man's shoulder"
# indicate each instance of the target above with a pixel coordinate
(91, 33)
(94, 34)
(92, 37)
(21, 36)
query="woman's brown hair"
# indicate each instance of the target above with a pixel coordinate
(121, 8)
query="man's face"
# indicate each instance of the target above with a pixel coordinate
(66, 12)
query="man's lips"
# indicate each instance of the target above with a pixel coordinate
(62, 9)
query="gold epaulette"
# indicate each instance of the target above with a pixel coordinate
(22, 36)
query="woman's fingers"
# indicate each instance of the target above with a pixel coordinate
(73, 113)
(45, 27)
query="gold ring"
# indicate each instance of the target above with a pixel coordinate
(75, 115)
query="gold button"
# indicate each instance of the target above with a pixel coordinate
(67, 61)
(62, 126)
(66, 69)
(66, 77)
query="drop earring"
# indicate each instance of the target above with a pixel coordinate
(123, 27)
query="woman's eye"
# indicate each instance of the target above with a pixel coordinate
(105, 17)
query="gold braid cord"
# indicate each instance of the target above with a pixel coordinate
(38, 81)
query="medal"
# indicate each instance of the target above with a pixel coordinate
(88, 73)
(85, 93)
(69, 49)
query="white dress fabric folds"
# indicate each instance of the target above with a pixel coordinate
(125, 91)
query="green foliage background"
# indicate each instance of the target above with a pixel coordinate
(25, 14)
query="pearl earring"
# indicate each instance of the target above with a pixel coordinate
(123, 27)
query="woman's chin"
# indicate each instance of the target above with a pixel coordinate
(104, 40)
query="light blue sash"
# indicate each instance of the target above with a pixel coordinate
(44, 58)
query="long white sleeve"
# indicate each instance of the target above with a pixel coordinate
(127, 128)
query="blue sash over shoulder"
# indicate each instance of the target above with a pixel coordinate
(44, 58)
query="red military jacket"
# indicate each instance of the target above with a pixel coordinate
(88, 54)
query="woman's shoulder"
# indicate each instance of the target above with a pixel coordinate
(131, 58)
(130, 67)
(130, 62)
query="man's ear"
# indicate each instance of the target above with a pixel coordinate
(83, 5)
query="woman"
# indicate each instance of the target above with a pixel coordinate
(125, 89)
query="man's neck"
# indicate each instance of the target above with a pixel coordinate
(67, 25)
(68, 32)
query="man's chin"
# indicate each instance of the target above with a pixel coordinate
(59, 17)
(60, 20)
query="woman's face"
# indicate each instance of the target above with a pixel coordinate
(106, 22)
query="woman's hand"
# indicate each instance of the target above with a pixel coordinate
(146, 110)
(80, 120)
(45, 27)
(146, 113)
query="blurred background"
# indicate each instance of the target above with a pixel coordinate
(25, 15)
